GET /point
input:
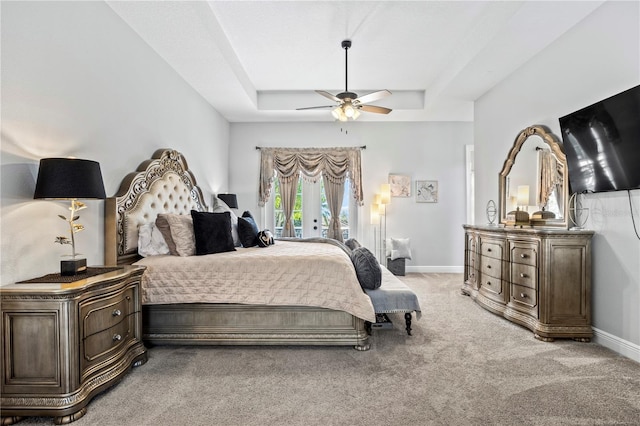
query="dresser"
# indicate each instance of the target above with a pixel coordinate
(536, 277)
(63, 343)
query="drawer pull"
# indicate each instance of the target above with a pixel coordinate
(488, 266)
(523, 275)
(524, 256)
(489, 250)
(488, 282)
(117, 337)
(524, 296)
(116, 313)
(128, 297)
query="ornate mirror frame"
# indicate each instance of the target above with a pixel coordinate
(556, 149)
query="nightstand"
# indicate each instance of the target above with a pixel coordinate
(63, 343)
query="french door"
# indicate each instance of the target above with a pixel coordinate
(311, 212)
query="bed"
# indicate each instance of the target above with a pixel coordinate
(195, 302)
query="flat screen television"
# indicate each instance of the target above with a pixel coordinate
(602, 144)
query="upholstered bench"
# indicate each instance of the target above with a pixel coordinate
(393, 296)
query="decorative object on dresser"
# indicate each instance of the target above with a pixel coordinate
(249, 305)
(66, 341)
(577, 214)
(70, 179)
(521, 168)
(538, 278)
(491, 212)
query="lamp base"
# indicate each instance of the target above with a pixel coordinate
(73, 267)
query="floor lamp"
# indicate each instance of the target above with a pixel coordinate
(385, 198)
(375, 220)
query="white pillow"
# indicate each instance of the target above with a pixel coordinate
(150, 241)
(222, 207)
(400, 248)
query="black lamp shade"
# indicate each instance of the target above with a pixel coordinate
(230, 200)
(69, 178)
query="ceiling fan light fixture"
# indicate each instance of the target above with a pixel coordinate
(349, 110)
(337, 112)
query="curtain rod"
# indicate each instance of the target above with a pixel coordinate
(361, 147)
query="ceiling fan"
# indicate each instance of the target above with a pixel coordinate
(349, 104)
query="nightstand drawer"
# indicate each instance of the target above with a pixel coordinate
(102, 314)
(101, 344)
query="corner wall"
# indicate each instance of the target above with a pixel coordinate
(77, 81)
(596, 59)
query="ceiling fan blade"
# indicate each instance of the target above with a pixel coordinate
(316, 107)
(328, 95)
(374, 108)
(371, 97)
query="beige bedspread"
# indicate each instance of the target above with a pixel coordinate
(286, 274)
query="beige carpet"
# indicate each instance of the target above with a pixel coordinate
(462, 366)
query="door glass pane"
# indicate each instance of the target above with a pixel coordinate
(278, 213)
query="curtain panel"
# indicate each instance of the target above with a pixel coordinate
(333, 164)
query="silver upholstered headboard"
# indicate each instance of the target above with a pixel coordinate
(163, 184)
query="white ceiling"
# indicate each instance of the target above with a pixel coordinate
(260, 60)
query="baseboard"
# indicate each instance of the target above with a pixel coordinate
(616, 344)
(435, 269)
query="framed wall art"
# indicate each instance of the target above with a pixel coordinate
(427, 191)
(400, 185)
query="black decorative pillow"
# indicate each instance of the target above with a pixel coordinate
(247, 231)
(265, 238)
(212, 232)
(367, 268)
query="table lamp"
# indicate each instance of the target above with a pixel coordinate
(70, 179)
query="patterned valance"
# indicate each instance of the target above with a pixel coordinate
(335, 164)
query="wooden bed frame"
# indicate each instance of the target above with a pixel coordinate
(165, 184)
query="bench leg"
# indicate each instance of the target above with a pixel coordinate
(407, 318)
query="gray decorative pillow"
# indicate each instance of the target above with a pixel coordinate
(367, 268)
(352, 243)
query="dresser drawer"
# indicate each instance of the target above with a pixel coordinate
(491, 267)
(101, 314)
(526, 254)
(491, 286)
(491, 248)
(525, 275)
(524, 299)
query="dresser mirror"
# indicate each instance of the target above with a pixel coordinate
(534, 178)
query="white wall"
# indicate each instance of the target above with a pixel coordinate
(598, 58)
(77, 81)
(426, 151)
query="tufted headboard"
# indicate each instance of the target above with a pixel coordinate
(163, 184)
